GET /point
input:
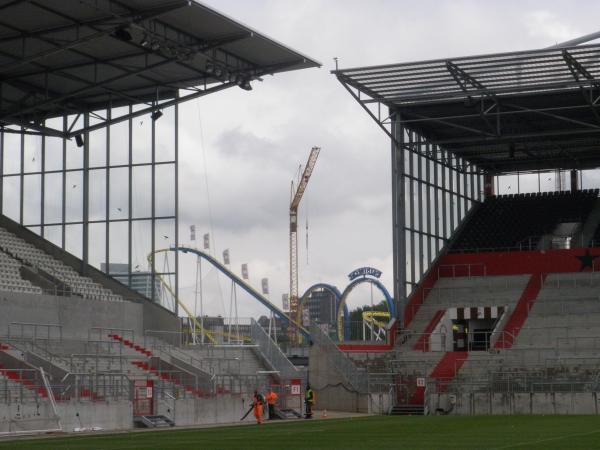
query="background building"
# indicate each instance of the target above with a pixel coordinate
(139, 281)
(322, 307)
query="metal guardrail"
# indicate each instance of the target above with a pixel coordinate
(274, 355)
(35, 331)
(470, 269)
(93, 387)
(103, 333)
(357, 378)
(215, 361)
(444, 341)
(517, 382)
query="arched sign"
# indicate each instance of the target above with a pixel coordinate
(363, 272)
(343, 329)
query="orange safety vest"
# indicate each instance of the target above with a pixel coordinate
(272, 398)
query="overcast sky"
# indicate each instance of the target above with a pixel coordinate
(254, 142)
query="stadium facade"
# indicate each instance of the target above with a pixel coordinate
(89, 176)
(495, 304)
(496, 291)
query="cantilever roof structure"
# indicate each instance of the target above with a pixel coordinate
(507, 112)
(73, 56)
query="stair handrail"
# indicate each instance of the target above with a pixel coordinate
(273, 354)
(50, 396)
(203, 376)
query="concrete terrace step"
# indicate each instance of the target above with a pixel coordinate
(407, 410)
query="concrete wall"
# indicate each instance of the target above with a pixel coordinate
(332, 390)
(483, 403)
(16, 417)
(201, 411)
(76, 315)
(113, 415)
(30, 416)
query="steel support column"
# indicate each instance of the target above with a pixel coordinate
(86, 197)
(176, 206)
(398, 216)
(153, 211)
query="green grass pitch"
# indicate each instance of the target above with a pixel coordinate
(436, 432)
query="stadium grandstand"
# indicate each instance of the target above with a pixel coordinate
(495, 304)
(89, 120)
(495, 279)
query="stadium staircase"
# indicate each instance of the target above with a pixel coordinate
(519, 315)
(220, 369)
(18, 379)
(19, 373)
(549, 333)
(407, 410)
(158, 368)
(423, 342)
(154, 421)
(448, 367)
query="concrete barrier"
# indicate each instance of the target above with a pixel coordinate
(522, 403)
(115, 415)
(333, 391)
(205, 411)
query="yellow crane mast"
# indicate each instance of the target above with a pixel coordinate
(296, 196)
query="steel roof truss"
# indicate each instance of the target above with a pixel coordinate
(578, 70)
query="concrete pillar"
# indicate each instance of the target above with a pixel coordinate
(488, 185)
(574, 180)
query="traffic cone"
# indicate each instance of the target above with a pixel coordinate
(324, 414)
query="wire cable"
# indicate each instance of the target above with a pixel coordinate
(209, 205)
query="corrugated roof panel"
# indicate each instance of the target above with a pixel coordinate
(136, 46)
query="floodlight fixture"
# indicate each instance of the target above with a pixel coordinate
(122, 34)
(79, 140)
(245, 85)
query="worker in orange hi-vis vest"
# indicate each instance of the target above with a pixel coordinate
(257, 406)
(271, 399)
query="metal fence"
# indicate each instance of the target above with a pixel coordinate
(34, 331)
(510, 383)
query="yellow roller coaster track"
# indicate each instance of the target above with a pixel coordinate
(369, 316)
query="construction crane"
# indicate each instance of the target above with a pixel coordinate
(296, 196)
